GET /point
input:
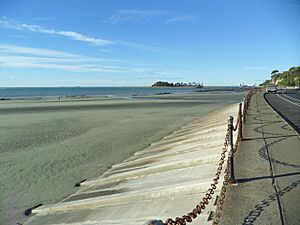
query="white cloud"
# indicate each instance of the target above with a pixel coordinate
(136, 15)
(181, 18)
(42, 18)
(163, 75)
(24, 57)
(34, 51)
(139, 15)
(45, 63)
(20, 57)
(11, 24)
(18, 36)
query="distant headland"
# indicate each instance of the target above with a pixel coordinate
(178, 84)
(290, 78)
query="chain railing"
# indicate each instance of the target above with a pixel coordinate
(247, 102)
(208, 195)
(229, 178)
(241, 120)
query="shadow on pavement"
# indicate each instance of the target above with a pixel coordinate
(259, 208)
(260, 138)
(245, 180)
(262, 152)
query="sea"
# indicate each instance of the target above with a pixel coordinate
(7, 93)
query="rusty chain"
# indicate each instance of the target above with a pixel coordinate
(237, 121)
(240, 117)
(221, 200)
(208, 196)
(247, 101)
(187, 218)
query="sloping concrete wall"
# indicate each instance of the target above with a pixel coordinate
(166, 179)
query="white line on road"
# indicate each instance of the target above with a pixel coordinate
(291, 97)
(288, 100)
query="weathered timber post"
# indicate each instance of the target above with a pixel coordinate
(240, 124)
(231, 179)
(244, 111)
(154, 222)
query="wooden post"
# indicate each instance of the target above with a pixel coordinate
(244, 111)
(231, 179)
(240, 129)
(154, 222)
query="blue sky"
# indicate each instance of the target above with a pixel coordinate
(135, 43)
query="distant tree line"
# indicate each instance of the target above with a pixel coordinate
(290, 78)
(178, 84)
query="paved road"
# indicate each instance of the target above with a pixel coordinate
(294, 95)
(287, 104)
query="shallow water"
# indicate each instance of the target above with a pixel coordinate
(35, 92)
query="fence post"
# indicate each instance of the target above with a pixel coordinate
(244, 111)
(240, 124)
(154, 222)
(231, 179)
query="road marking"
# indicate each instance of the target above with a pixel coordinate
(288, 100)
(290, 97)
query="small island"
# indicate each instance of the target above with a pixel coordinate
(177, 84)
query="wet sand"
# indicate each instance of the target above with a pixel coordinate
(48, 146)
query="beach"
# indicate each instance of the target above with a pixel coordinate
(47, 146)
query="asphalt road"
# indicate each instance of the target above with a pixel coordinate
(287, 104)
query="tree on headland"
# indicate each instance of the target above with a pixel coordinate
(170, 84)
(290, 78)
(163, 84)
(274, 72)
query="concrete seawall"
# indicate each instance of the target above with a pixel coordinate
(166, 179)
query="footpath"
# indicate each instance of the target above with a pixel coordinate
(267, 171)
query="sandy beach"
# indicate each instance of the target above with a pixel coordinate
(48, 146)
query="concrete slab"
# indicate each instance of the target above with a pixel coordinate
(129, 213)
(267, 166)
(166, 179)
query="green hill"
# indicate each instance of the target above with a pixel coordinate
(290, 78)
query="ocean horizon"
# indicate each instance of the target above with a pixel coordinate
(7, 93)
